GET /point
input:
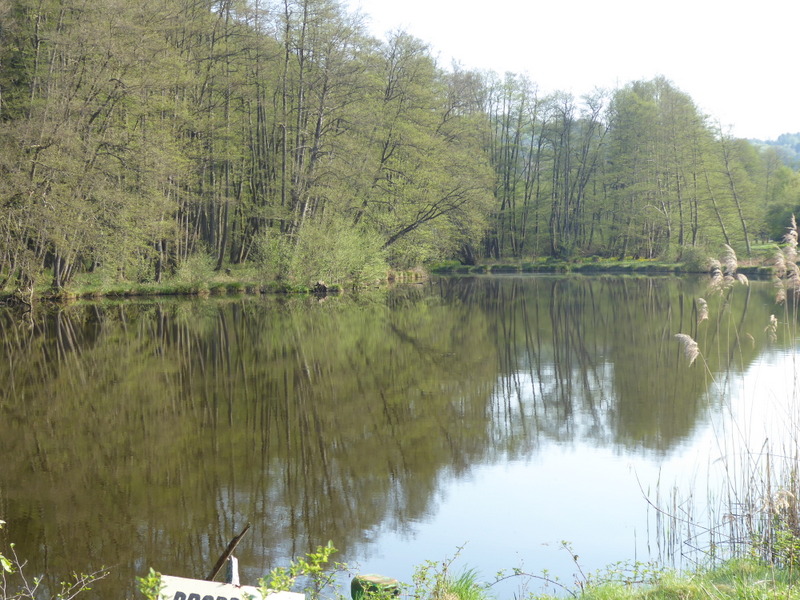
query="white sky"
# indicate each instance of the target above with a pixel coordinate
(737, 59)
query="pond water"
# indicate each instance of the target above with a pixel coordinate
(492, 418)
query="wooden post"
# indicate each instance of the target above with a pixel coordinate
(228, 551)
(232, 570)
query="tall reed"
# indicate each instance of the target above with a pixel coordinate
(755, 510)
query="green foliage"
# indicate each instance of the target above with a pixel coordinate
(786, 146)
(605, 582)
(628, 574)
(695, 259)
(465, 586)
(311, 567)
(740, 579)
(5, 563)
(195, 270)
(415, 248)
(335, 252)
(444, 266)
(782, 547)
(150, 585)
(435, 581)
(332, 251)
(272, 256)
(777, 216)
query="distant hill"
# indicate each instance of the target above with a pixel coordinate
(787, 145)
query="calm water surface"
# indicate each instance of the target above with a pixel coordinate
(499, 415)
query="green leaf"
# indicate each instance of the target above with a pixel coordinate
(6, 564)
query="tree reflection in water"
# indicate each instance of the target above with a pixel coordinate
(138, 434)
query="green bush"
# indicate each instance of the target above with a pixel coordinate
(311, 568)
(694, 259)
(196, 270)
(332, 251)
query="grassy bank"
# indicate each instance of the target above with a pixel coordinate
(124, 289)
(198, 278)
(743, 579)
(592, 266)
(739, 579)
(231, 282)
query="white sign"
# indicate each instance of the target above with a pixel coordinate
(180, 588)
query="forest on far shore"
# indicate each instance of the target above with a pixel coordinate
(141, 138)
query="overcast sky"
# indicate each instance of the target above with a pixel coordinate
(738, 60)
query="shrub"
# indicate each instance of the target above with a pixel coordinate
(195, 270)
(694, 259)
(332, 251)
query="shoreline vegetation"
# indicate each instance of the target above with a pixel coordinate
(231, 282)
(244, 281)
(744, 578)
(594, 266)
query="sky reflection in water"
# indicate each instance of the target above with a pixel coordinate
(603, 501)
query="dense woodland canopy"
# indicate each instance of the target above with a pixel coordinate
(137, 137)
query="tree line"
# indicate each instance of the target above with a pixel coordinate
(137, 137)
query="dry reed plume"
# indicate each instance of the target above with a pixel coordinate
(724, 271)
(690, 349)
(787, 274)
(702, 310)
(723, 275)
(772, 329)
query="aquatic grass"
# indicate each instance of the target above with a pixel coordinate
(463, 587)
(775, 533)
(755, 512)
(434, 580)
